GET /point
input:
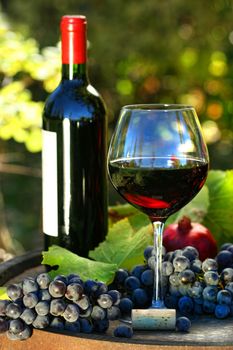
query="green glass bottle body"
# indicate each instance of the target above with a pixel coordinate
(74, 163)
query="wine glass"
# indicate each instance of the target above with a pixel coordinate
(158, 162)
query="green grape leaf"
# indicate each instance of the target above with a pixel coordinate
(219, 218)
(196, 209)
(71, 263)
(124, 243)
(3, 294)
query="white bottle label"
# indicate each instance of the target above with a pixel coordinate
(49, 183)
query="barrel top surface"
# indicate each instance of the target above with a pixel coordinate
(206, 331)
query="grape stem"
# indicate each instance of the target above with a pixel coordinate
(157, 298)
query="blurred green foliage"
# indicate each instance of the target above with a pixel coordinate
(139, 52)
(154, 51)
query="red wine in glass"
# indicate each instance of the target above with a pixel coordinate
(161, 190)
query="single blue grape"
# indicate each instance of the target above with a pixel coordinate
(183, 324)
(210, 293)
(29, 285)
(138, 270)
(28, 316)
(187, 276)
(14, 291)
(57, 307)
(126, 305)
(30, 300)
(41, 322)
(224, 297)
(147, 278)
(71, 313)
(191, 253)
(222, 311)
(105, 301)
(123, 332)
(43, 280)
(185, 305)
(74, 291)
(16, 326)
(181, 263)
(57, 288)
(13, 310)
(196, 266)
(89, 286)
(42, 308)
(224, 259)
(85, 326)
(140, 298)
(120, 276)
(98, 313)
(209, 265)
(131, 283)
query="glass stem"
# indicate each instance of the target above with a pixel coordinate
(157, 298)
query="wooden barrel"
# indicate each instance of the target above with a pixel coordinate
(206, 332)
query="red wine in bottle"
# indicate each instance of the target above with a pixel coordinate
(74, 151)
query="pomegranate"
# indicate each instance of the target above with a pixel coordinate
(187, 233)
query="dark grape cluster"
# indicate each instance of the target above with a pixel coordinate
(190, 285)
(64, 303)
(201, 287)
(68, 303)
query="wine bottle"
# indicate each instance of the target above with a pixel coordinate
(74, 173)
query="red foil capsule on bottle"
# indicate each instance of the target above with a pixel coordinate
(73, 39)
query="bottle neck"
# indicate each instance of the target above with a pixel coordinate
(77, 71)
(73, 45)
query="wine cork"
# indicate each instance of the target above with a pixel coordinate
(154, 319)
